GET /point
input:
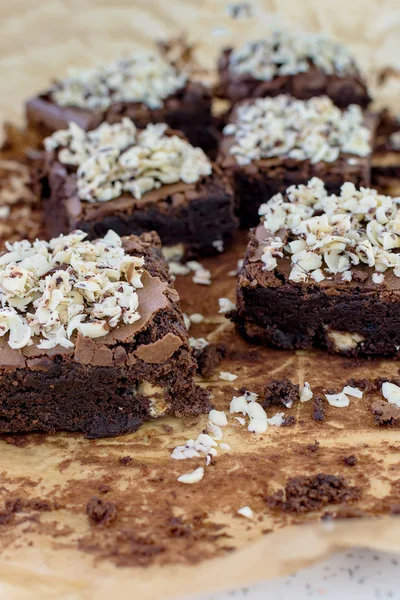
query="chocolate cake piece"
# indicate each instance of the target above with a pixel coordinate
(301, 64)
(324, 270)
(272, 143)
(146, 88)
(92, 337)
(128, 180)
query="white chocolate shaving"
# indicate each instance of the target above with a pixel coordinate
(145, 78)
(391, 392)
(334, 233)
(289, 53)
(49, 290)
(314, 130)
(118, 158)
(193, 477)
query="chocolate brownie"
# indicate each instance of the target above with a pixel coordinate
(272, 143)
(147, 88)
(324, 270)
(128, 180)
(303, 65)
(92, 337)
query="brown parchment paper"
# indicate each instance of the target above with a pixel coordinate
(156, 538)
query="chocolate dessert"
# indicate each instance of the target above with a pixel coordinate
(324, 270)
(92, 337)
(143, 87)
(272, 143)
(128, 180)
(302, 65)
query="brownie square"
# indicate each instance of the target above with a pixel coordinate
(145, 88)
(92, 337)
(324, 270)
(272, 143)
(133, 181)
(302, 65)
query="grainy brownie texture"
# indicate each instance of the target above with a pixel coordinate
(303, 65)
(145, 88)
(131, 181)
(93, 338)
(324, 271)
(272, 143)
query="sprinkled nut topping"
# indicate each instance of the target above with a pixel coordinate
(49, 290)
(284, 53)
(114, 159)
(328, 234)
(144, 78)
(314, 130)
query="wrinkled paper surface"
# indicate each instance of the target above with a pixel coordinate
(39, 41)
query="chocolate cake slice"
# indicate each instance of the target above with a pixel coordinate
(145, 87)
(92, 337)
(128, 180)
(324, 270)
(303, 65)
(272, 143)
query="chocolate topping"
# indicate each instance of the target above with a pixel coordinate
(159, 351)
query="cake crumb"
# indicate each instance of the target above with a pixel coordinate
(281, 392)
(350, 461)
(209, 358)
(385, 413)
(313, 447)
(319, 409)
(100, 512)
(305, 494)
